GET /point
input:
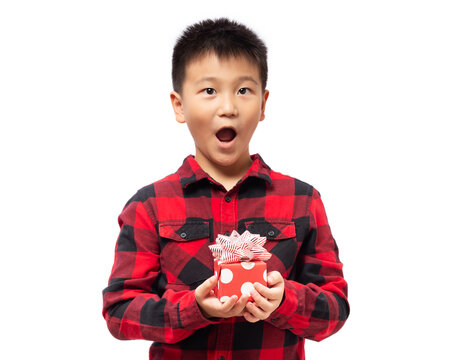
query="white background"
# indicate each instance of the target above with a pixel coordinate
(358, 108)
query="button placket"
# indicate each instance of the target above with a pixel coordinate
(227, 219)
(227, 214)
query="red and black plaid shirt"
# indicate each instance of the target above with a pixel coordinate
(162, 255)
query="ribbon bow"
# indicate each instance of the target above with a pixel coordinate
(235, 248)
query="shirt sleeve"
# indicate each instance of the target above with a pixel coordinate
(134, 306)
(315, 303)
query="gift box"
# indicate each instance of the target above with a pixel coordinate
(238, 278)
(239, 263)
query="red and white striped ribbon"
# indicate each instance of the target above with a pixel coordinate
(236, 248)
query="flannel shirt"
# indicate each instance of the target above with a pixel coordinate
(162, 255)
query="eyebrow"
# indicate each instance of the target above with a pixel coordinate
(240, 79)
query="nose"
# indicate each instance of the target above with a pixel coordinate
(227, 106)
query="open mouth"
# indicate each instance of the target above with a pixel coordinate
(226, 134)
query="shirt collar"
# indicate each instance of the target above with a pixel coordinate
(191, 172)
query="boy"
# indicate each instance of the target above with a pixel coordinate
(161, 283)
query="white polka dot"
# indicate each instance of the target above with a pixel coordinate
(226, 275)
(246, 288)
(224, 298)
(247, 265)
(265, 275)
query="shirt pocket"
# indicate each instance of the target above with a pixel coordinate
(185, 257)
(281, 243)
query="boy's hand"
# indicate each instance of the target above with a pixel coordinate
(267, 299)
(211, 306)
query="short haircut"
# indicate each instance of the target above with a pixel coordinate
(223, 37)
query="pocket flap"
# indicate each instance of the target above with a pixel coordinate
(184, 231)
(272, 230)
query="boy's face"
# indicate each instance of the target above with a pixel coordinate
(222, 103)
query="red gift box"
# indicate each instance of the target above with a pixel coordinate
(239, 263)
(238, 278)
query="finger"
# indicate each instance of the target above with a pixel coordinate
(240, 305)
(256, 311)
(249, 317)
(269, 293)
(273, 278)
(203, 290)
(228, 305)
(261, 301)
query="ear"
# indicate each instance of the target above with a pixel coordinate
(263, 105)
(177, 104)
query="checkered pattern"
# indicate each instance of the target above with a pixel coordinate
(162, 255)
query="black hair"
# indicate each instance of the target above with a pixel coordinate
(223, 37)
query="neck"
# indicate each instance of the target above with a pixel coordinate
(227, 175)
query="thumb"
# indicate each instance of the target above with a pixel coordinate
(273, 278)
(204, 289)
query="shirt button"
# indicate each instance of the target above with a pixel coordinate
(274, 319)
(227, 198)
(271, 233)
(183, 235)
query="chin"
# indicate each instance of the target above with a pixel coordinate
(225, 159)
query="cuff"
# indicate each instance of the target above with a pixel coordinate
(190, 316)
(287, 307)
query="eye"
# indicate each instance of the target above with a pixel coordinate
(209, 91)
(243, 91)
